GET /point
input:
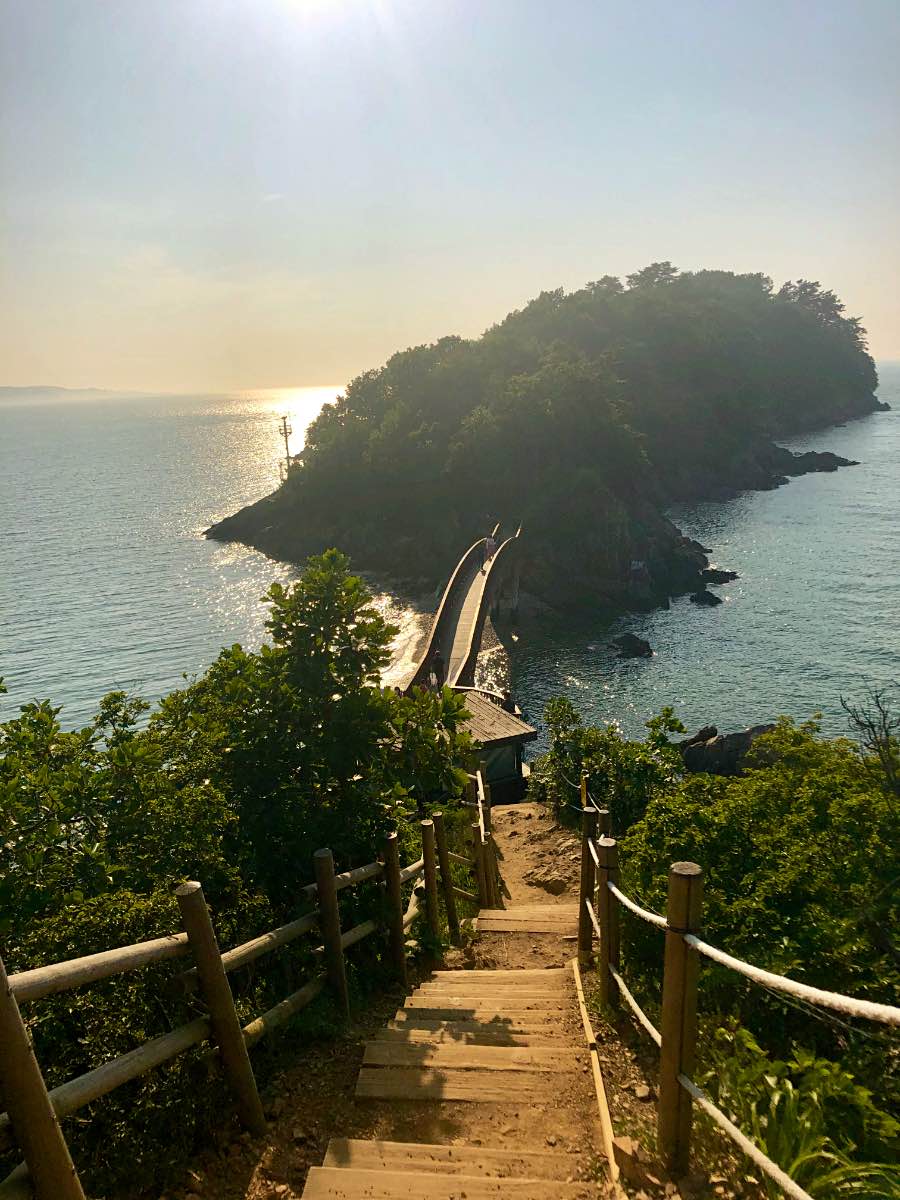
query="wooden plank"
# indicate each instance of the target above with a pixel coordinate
(549, 998)
(479, 1036)
(606, 1125)
(486, 1058)
(347, 1183)
(451, 1160)
(566, 907)
(479, 1087)
(466, 987)
(489, 1021)
(535, 925)
(493, 987)
(482, 1004)
(59, 977)
(501, 974)
(511, 914)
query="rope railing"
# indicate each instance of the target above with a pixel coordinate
(676, 1037)
(645, 914)
(753, 1152)
(887, 1014)
(639, 1013)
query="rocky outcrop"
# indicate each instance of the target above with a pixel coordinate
(704, 597)
(631, 646)
(715, 753)
(548, 877)
(714, 576)
(815, 460)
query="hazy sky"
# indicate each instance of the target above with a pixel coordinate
(220, 194)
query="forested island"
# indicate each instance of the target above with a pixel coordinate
(584, 415)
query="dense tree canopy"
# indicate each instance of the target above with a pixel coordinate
(580, 415)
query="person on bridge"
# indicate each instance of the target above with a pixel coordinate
(490, 549)
(438, 672)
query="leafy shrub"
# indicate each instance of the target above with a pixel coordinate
(235, 780)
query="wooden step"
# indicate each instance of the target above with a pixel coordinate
(536, 923)
(485, 1058)
(566, 909)
(503, 1005)
(349, 1183)
(462, 987)
(480, 1087)
(451, 1160)
(502, 975)
(461, 1019)
(463, 1033)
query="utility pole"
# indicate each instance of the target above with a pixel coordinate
(286, 432)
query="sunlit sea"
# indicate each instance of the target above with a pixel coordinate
(106, 581)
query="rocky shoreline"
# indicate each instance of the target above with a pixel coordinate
(634, 568)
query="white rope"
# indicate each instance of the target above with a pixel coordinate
(593, 917)
(644, 913)
(594, 855)
(635, 1007)
(884, 1013)
(787, 1185)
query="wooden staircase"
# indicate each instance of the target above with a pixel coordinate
(506, 1038)
(407, 1170)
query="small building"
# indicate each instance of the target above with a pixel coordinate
(500, 736)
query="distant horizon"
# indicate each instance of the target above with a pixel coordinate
(284, 387)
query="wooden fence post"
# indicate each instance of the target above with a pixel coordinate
(395, 905)
(440, 834)
(608, 917)
(586, 891)
(330, 925)
(486, 802)
(480, 871)
(491, 871)
(31, 1113)
(429, 857)
(584, 790)
(603, 825)
(678, 1019)
(216, 992)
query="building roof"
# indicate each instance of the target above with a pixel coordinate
(492, 725)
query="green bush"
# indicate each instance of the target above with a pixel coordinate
(234, 780)
(801, 862)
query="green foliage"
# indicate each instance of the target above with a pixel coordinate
(622, 776)
(801, 864)
(578, 415)
(807, 1114)
(235, 780)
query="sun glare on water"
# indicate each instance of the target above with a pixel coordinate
(301, 406)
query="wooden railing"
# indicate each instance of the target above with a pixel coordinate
(484, 851)
(33, 1113)
(600, 900)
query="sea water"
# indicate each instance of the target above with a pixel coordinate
(107, 582)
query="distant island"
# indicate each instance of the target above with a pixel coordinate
(583, 416)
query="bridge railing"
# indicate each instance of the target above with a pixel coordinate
(33, 1114)
(435, 634)
(600, 901)
(466, 669)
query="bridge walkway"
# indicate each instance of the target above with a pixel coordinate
(459, 621)
(467, 609)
